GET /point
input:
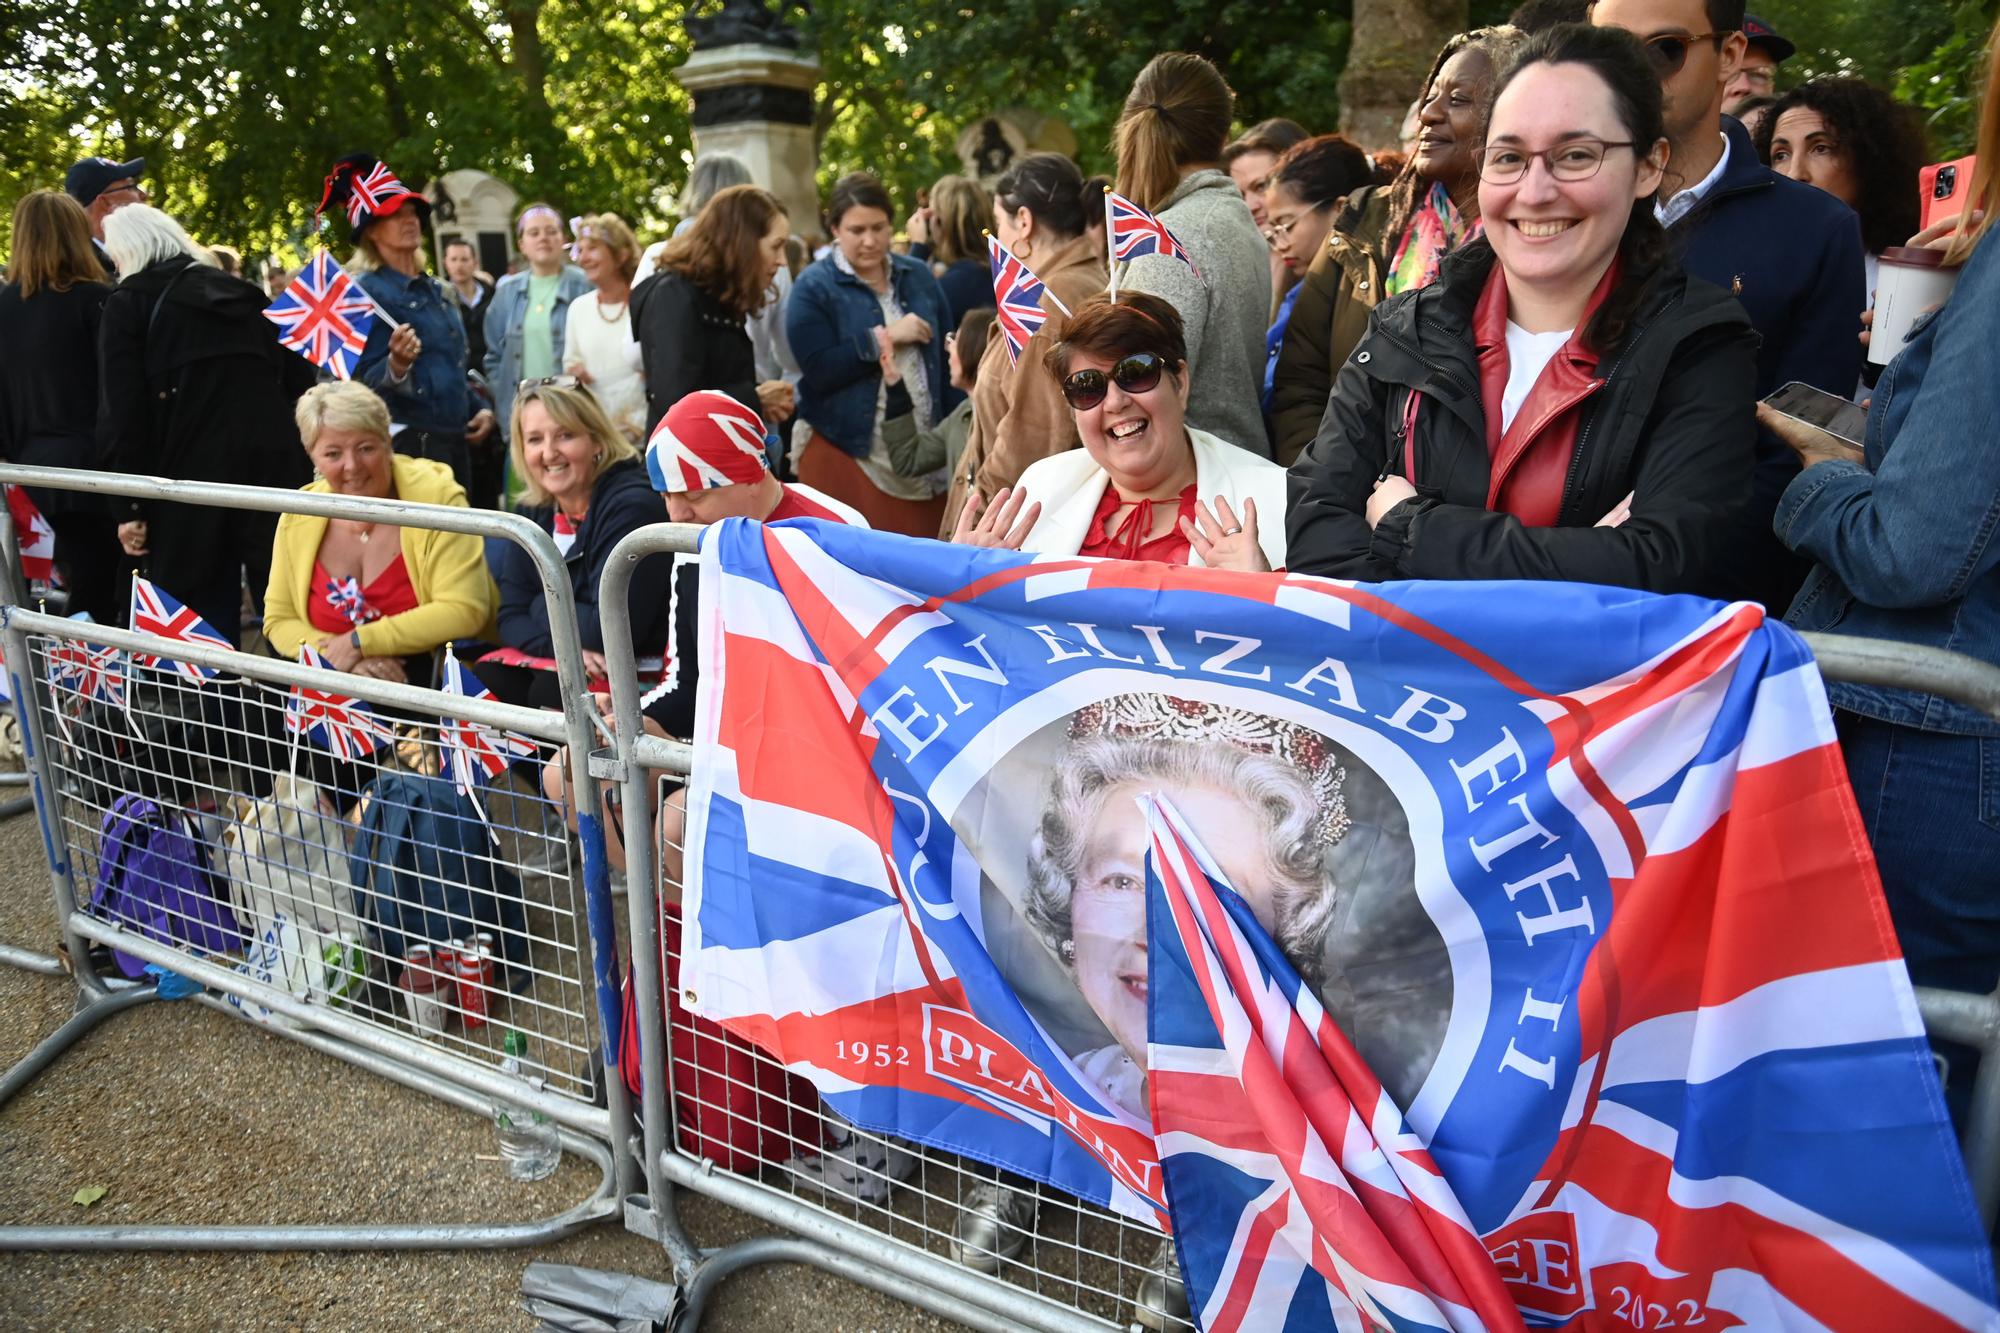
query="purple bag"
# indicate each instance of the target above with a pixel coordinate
(153, 877)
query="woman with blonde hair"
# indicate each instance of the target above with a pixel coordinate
(1170, 139)
(599, 348)
(50, 309)
(374, 598)
(584, 484)
(1902, 530)
(950, 235)
(689, 315)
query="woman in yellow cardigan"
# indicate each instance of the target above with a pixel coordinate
(375, 598)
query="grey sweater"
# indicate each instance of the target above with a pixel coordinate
(1224, 310)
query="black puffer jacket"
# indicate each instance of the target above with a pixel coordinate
(1673, 425)
(688, 340)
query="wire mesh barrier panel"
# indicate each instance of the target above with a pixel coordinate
(357, 878)
(742, 1112)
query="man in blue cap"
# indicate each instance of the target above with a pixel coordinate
(103, 187)
(1757, 72)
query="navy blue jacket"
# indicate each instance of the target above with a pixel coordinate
(967, 284)
(1791, 254)
(831, 318)
(621, 500)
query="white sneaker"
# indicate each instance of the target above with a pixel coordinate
(864, 1167)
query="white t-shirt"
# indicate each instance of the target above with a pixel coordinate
(607, 349)
(1528, 354)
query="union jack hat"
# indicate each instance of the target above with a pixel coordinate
(368, 190)
(706, 439)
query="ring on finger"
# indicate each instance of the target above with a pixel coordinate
(1231, 532)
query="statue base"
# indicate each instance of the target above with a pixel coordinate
(755, 102)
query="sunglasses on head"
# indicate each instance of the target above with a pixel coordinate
(549, 382)
(1135, 374)
(1670, 50)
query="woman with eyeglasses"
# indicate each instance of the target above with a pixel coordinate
(1302, 192)
(1391, 240)
(1018, 412)
(1564, 402)
(1145, 485)
(586, 486)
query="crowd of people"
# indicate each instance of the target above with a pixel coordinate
(1528, 342)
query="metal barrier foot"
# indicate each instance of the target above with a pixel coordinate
(719, 1264)
(29, 960)
(94, 1010)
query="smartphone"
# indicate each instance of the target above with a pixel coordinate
(1941, 188)
(1816, 407)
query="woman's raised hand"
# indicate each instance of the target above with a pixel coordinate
(1003, 525)
(1221, 540)
(885, 353)
(911, 328)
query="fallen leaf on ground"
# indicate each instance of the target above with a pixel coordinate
(89, 1194)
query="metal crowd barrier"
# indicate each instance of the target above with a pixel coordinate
(1079, 1265)
(273, 813)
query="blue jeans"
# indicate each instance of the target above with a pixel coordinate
(1931, 803)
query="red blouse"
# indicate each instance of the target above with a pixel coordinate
(390, 594)
(1127, 539)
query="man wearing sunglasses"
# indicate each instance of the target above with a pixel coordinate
(1791, 254)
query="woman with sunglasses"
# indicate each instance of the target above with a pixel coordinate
(587, 488)
(1145, 485)
(1580, 408)
(1018, 412)
(1386, 241)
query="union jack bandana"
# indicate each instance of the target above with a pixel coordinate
(565, 533)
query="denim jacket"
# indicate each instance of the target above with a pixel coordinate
(830, 320)
(433, 396)
(1909, 539)
(506, 324)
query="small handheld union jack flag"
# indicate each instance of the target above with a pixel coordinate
(1018, 293)
(1135, 232)
(477, 753)
(88, 672)
(155, 612)
(342, 725)
(324, 316)
(1293, 1180)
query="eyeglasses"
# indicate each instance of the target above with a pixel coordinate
(1570, 160)
(1135, 374)
(1278, 231)
(1670, 50)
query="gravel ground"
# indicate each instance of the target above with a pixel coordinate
(182, 1115)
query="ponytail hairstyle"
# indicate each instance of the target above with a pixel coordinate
(1050, 187)
(1618, 59)
(1409, 189)
(1176, 115)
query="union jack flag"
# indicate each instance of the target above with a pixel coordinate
(1135, 232)
(1293, 1180)
(155, 612)
(342, 725)
(477, 753)
(324, 316)
(344, 596)
(371, 193)
(88, 672)
(1018, 293)
(33, 535)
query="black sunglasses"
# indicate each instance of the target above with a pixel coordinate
(1137, 373)
(548, 382)
(1670, 50)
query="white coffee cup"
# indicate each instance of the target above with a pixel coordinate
(1911, 280)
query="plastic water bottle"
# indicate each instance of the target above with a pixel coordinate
(529, 1143)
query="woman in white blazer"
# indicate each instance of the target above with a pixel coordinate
(1145, 485)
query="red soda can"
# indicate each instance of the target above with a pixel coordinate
(475, 983)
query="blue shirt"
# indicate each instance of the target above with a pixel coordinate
(433, 396)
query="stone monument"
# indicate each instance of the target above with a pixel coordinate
(753, 86)
(479, 208)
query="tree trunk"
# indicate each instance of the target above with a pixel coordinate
(1394, 43)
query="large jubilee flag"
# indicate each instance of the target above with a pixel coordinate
(1550, 954)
